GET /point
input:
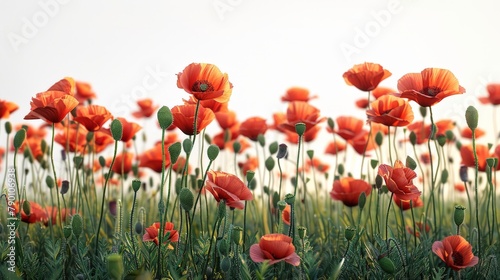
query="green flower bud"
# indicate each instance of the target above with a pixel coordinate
(269, 163)
(273, 148)
(8, 127)
(26, 207)
(136, 185)
(102, 161)
(302, 232)
(165, 118)
(281, 205)
(459, 215)
(186, 199)
(444, 176)
(449, 135)
(289, 199)
(236, 147)
(174, 150)
(441, 139)
(115, 266)
(237, 235)
(423, 111)
(78, 161)
(374, 163)
(67, 231)
(208, 139)
(379, 138)
(491, 162)
(138, 228)
(379, 181)
(300, 128)
(187, 145)
(212, 152)
(413, 138)
(222, 209)
(330, 123)
(89, 136)
(410, 163)
(310, 154)
(349, 233)
(250, 174)
(261, 139)
(116, 129)
(340, 169)
(471, 116)
(19, 138)
(362, 200)
(387, 265)
(77, 225)
(225, 264)
(49, 181)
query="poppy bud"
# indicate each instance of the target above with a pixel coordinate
(362, 200)
(464, 175)
(64, 187)
(444, 176)
(281, 205)
(423, 111)
(340, 169)
(225, 264)
(441, 140)
(136, 185)
(116, 129)
(273, 148)
(458, 144)
(379, 137)
(261, 139)
(250, 174)
(115, 266)
(77, 225)
(282, 151)
(378, 181)
(449, 135)
(300, 128)
(491, 162)
(349, 233)
(471, 116)
(207, 138)
(8, 127)
(212, 152)
(236, 235)
(102, 161)
(302, 232)
(236, 147)
(310, 154)
(222, 209)
(63, 155)
(186, 199)
(19, 138)
(330, 123)
(289, 199)
(174, 150)
(49, 181)
(187, 145)
(67, 231)
(459, 215)
(223, 247)
(276, 198)
(373, 163)
(252, 185)
(89, 136)
(387, 265)
(26, 207)
(410, 163)
(165, 118)
(112, 207)
(413, 138)
(269, 163)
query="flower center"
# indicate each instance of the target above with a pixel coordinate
(202, 86)
(431, 91)
(458, 259)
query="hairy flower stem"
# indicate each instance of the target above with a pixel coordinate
(132, 239)
(366, 145)
(433, 182)
(476, 175)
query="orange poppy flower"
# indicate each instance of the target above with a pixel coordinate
(348, 190)
(53, 105)
(317, 164)
(7, 108)
(405, 204)
(460, 187)
(274, 248)
(278, 118)
(420, 228)
(129, 129)
(390, 111)
(366, 76)
(301, 112)
(308, 136)
(72, 139)
(205, 81)
(184, 118)
(466, 132)
(146, 108)
(424, 131)
(123, 160)
(252, 163)
(334, 147)
(32, 131)
(362, 103)
(179, 165)
(209, 104)
(227, 187)
(54, 214)
(34, 145)
(399, 180)
(83, 92)
(348, 127)
(429, 86)
(493, 95)
(286, 214)
(482, 152)
(297, 94)
(358, 142)
(226, 119)
(38, 214)
(92, 116)
(101, 141)
(168, 230)
(252, 127)
(380, 91)
(456, 252)
(153, 159)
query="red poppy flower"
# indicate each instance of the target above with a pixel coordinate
(274, 248)
(466, 132)
(129, 129)
(297, 94)
(348, 127)
(101, 141)
(482, 152)
(309, 135)
(123, 162)
(205, 81)
(72, 139)
(460, 187)
(286, 214)
(53, 105)
(359, 142)
(209, 104)
(405, 204)
(226, 119)
(301, 112)
(424, 131)
(153, 158)
(348, 190)
(251, 163)
(334, 147)
(366, 76)
(252, 127)
(184, 118)
(227, 187)
(54, 213)
(317, 164)
(7, 108)
(429, 86)
(84, 92)
(456, 252)
(278, 118)
(38, 214)
(362, 103)
(493, 95)
(146, 108)
(381, 91)
(390, 111)
(152, 233)
(399, 180)
(92, 116)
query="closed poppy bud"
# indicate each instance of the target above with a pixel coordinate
(302, 232)
(423, 111)
(64, 187)
(116, 129)
(413, 138)
(249, 176)
(225, 264)
(269, 163)
(444, 176)
(464, 175)
(441, 140)
(387, 265)
(289, 198)
(236, 235)
(281, 205)
(282, 151)
(8, 127)
(471, 116)
(174, 150)
(340, 169)
(115, 266)
(349, 233)
(459, 215)
(378, 181)
(212, 152)
(67, 231)
(49, 181)
(19, 138)
(27, 208)
(187, 145)
(165, 118)
(136, 185)
(310, 154)
(379, 137)
(222, 210)
(300, 128)
(373, 163)
(77, 225)
(261, 139)
(273, 148)
(102, 161)
(449, 135)
(236, 147)
(186, 199)
(138, 228)
(362, 200)
(410, 163)
(330, 123)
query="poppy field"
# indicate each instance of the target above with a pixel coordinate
(396, 195)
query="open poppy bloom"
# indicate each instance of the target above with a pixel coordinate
(390, 111)
(466, 132)
(252, 127)
(429, 86)
(53, 105)
(456, 252)
(286, 214)
(348, 190)
(209, 104)
(348, 127)
(366, 76)
(38, 214)
(381, 91)
(361, 143)
(184, 118)
(482, 152)
(251, 163)
(122, 164)
(297, 94)
(152, 233)
(153, 158)
(405, 204)
(7, 108)
(226, 119)
(93, 117)
(301, 112)
(274, 248)
(399, 180)
(146, 108)
(205, 81)
(334, 147)
(227, 187)
(83, 92)
(493, 95)
(72, 139)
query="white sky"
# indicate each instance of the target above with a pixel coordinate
(264, 46)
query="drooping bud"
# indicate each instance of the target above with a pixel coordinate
(187, 145)
(49, 181)
(269, 163)
(273, 148)
(464, 175)
(261, 139)
(282, 151)
(174, 150)
(386, 264)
